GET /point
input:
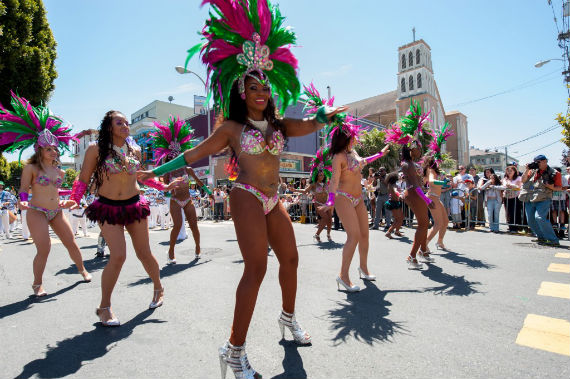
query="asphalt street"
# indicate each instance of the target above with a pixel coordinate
(468, 315)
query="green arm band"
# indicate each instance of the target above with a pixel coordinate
(206, 189)
(321, 115)
(439, 182)
(175, 164)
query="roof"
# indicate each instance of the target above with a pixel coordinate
(375, 104)
(413, 43)
(474, 152)
(453, 112)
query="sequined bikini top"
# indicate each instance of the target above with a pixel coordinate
(321, 188)
(115, 165)
(251, 142)
(44, 180)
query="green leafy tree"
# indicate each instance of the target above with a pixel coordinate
(4, 170)
(70, 175)
(27, 51)
(447, 162)
(15, 173)
(371, 143)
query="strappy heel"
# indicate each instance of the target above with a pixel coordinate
(413, 263)
(424, 256)
(365, 276)
(37, 292)
(86, 276)
(170, 261)
(317, 238)
(340, 282)
(155, 304)
(236, 358)
(112, 322)
(299, 334)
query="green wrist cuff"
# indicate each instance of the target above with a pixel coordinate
(206, 189)
(439, 182)
(175, 164)
(321, 115)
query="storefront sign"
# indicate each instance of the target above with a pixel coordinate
(290, 165)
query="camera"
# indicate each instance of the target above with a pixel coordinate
(532, 165)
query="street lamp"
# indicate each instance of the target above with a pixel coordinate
(542, 63)
(182, 70)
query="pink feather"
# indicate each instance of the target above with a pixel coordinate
(284, 55)
(264, 20)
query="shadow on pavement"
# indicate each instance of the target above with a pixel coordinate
(464, 260)
(451, 285)
(67, 357)
(170, 270)
(364, 316)
(329, 245)
(89, 247)
(292, 362)
(91, 265)
(22, 305)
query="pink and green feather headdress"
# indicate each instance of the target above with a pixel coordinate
(343, 121)
(321, 162)
(171, 139)
(409, 127)
(439, 138)
(26, 126)
(243, 37)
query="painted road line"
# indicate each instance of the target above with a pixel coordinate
(559, 267)
(554, 289)
(562, 255)
(545, 333)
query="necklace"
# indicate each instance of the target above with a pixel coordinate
(121, 150)
(261, 125)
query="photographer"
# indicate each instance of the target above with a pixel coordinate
(543, 182)
(381, 193)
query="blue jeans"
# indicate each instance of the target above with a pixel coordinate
(381, 209)
(537, 217)
(493, 209)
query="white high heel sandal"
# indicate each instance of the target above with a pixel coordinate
(366, 277)
(340, 282)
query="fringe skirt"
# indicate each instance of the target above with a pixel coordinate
(118, 212)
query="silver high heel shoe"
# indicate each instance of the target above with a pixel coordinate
(364, 276)
(413, 263)
(340, 282)
(112, 322)
(236, 358)
(155, 304)
(299, 335)
(440, 247)
(170, 261)
(424, 256)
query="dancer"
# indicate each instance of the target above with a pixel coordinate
(114, 161)
(431, 173)
(394, 204)
(28, 126)
(243, 86)
(168, 142)
(318, 186)
(406, 133)
(346, 182)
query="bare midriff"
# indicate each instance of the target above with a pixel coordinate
(350, 182)
(44, 196)
(321, 197)
(180, 193)
(260, 171)
(119, 186)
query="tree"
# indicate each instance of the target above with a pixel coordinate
(27, 51)
(70, 175)
(447, 162)
(15, 173)
(4, 170)
(371, 143)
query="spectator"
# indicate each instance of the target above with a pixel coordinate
(493, 200)
(481, 200)
(371, 187)
(456, 206)
(381, 198)
(479, 218)
(558, 207)
(544, 181)
(513, 183)
(473, 196)
(446, 192)
(219, 197)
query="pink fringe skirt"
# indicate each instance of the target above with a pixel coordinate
(118, 212)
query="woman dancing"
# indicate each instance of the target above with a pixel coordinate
(394, 204)
(114, 161)
(431, 174)
(243, 85)
(168, 142)
(28, 126)
(320, 175)
(406, 133)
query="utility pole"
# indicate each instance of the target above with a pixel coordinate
(506, 159)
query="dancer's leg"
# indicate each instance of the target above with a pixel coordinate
(139, 235)
(190, 213)
(350, 223)
(39, 230)
(176, 215)
(363, 236)
(62, 229)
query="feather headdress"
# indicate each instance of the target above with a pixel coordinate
(321, 162)
(171, 139)
(26, 126)
(343, 121)
(439, 138)
(409, 127)
(242, 37)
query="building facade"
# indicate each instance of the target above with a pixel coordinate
(79, 147)
(491, 158)
(415, 81)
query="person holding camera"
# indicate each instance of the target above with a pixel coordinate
(544, 180)
(381, 193)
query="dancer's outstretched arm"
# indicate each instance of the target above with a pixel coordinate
(298, 128)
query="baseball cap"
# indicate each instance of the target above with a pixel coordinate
(540, 157)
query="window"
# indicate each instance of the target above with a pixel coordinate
(411, 59)
(411, 83)
(419, 80)
(418, 57)
(403, 61)
(403, 84)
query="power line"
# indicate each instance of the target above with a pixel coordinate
(547, 130)
(516, 88)
(540, 148)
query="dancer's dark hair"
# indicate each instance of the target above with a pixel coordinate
(429, 162)
(339, 142)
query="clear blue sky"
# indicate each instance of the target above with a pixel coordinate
(121, 55)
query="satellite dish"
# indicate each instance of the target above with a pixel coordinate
(170, 98)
